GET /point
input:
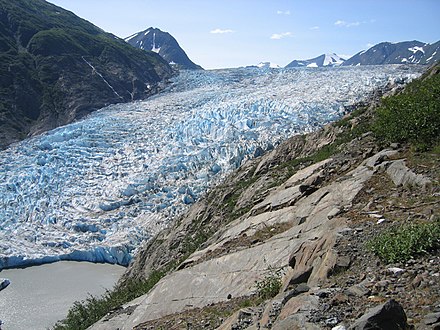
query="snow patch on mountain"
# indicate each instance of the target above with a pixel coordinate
(131, 37)
(324, 60)
(431, 57)
(332, 59)
(416, 49)
(153, 46)
(268, 65)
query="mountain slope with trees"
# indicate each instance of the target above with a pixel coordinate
(56, 67)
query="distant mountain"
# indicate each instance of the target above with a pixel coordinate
(267, 65)
(411, 52)
(56, 67)
(165, 45)
(320, 61)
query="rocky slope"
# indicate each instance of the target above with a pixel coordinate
(56, 68)
(281, 243)
(165, 45)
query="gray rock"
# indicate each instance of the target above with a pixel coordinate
(295, 322)
(4, 282)
(396, 271)
(403, 176)
(358, 290)
(388, 316)
(295, 313)
(432, 318)
(339, 327)
(301, 288)
(332, 321)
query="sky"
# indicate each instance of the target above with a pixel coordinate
(233, 33)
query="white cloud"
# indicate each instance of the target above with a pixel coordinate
(221, 31)
(314, 28)
(278, 36)
(369, 45)
(346, 24)
(280, 12)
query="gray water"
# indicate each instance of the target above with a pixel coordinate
(39, 296)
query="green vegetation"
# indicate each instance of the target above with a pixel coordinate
(405, 242)
(232, 199)
(193, 242)
(84, 314)
(412, 116)
(270, 286)
(43, 69)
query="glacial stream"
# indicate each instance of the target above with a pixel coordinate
(96, 189)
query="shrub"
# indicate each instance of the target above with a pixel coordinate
(399, 244)
(270, 286)
(85, 313)
(412, 116)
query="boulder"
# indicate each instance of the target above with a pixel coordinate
(432, 318)
(403, 176)
(295, 322)
(388, 316)
(4, 282)
(241, 319)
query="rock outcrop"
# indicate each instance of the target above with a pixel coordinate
(304, 252)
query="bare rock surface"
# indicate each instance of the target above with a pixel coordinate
(403, 176)
(306, 248)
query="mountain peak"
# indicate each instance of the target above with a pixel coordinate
(164, 44)
(324, 60)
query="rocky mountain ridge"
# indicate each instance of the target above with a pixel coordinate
(324, 60)
(410, 52)
(56, 68)
(281, 243)
(164, 44)
(405, 52)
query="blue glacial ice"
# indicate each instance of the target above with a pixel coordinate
(96, 189)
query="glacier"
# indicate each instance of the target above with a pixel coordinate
(96, 189)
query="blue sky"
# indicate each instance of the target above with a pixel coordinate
(233, 33)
